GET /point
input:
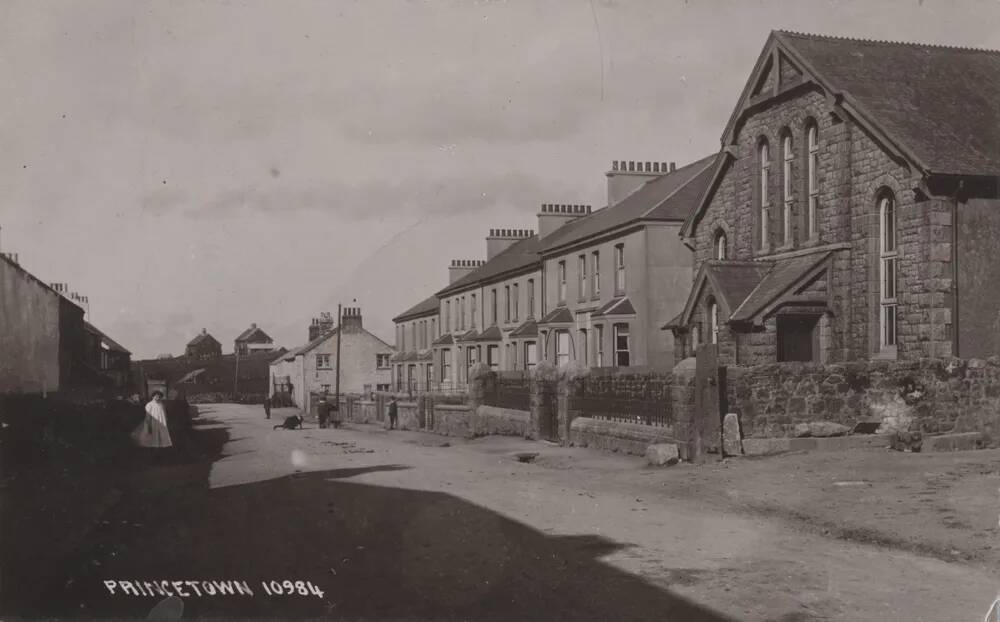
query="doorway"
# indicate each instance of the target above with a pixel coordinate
(798, 338)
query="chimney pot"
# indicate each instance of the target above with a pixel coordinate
(631, 165)
(649, 167)
(673, 167)
(204, 331)
(253, 325)
(656, 167)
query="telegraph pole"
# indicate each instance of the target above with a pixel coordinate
(340, 331)
(236, 375)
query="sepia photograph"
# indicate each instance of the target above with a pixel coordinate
(500, 310)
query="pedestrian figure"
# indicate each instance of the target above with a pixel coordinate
(393, 414)
(323, 411)
(267, 407)
(153, 432)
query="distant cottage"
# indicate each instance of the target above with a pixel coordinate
(252, 341)
(203, 346)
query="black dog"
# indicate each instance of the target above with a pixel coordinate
(291, 423)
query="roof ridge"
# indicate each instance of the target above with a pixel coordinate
(709, 162)
(942, 46)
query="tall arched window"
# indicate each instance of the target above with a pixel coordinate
(713, 320)
(888, 255)
(765, 199)
(721, 252)
(786, 189)
(813, 165)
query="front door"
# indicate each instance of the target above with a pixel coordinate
(797, 338)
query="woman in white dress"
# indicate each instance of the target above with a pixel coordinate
(153, 432)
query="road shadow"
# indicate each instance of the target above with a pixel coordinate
(377, 553)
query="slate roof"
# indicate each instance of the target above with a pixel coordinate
(257, 333)
(202, 337)
(528, 329)
(737, 280)
(783, 274)
(490, 334)
(519, 256)
(469, 336)
(667, 197)
(940, 103)
(429, 306)
(108, 341)
(559, 315)
(444, 340)
(676, 322)
(617, 306)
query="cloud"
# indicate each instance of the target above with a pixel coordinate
(377, 199)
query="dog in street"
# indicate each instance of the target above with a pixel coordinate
(290, 423)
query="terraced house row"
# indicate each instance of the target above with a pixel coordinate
(852, 213)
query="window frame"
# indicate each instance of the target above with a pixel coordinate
(764, 200)
(506, 297)
(531, 297)
(787, 193)
(319, 361)
(595, 277)
(581, 277)
(530, 361)
(713, 320)
(888, 241)
(515, 294)
(620, 269)
(561, 279)
(618, 351)
(721, 251)
(812, 179)
(561, 357)
(599, 345)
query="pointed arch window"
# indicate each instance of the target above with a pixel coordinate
(720, 250)
(764, 156)
(812, 163)
(786, 189)
(713, 320)
(888, 258)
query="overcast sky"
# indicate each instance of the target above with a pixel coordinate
(212, 164)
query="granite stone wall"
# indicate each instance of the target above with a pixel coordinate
(930, 395)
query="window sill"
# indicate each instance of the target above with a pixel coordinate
(886, 355)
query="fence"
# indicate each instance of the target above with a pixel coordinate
(509, 390)
(624, 399)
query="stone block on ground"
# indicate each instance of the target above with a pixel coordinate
(662, 454)
(732, 443)
(827, 428)
(801, 430)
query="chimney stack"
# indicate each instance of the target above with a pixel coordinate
(500, 240)
(204, 331)
(555, 215)
(624, 178)
(322, 324)
(461, 267)
(351, 319)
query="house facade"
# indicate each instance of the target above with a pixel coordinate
(489, 314)
(252, 341)
(851, 214)
(203, 346)
(412, 363)
(312, 368)
(614, 276)
(108, 357)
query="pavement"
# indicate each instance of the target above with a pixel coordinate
(412, 526)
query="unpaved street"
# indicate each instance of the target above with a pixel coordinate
(396, 525)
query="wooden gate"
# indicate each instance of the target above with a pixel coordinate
(709, 406)
(548, 413)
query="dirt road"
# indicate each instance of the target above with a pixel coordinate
(394, 526)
